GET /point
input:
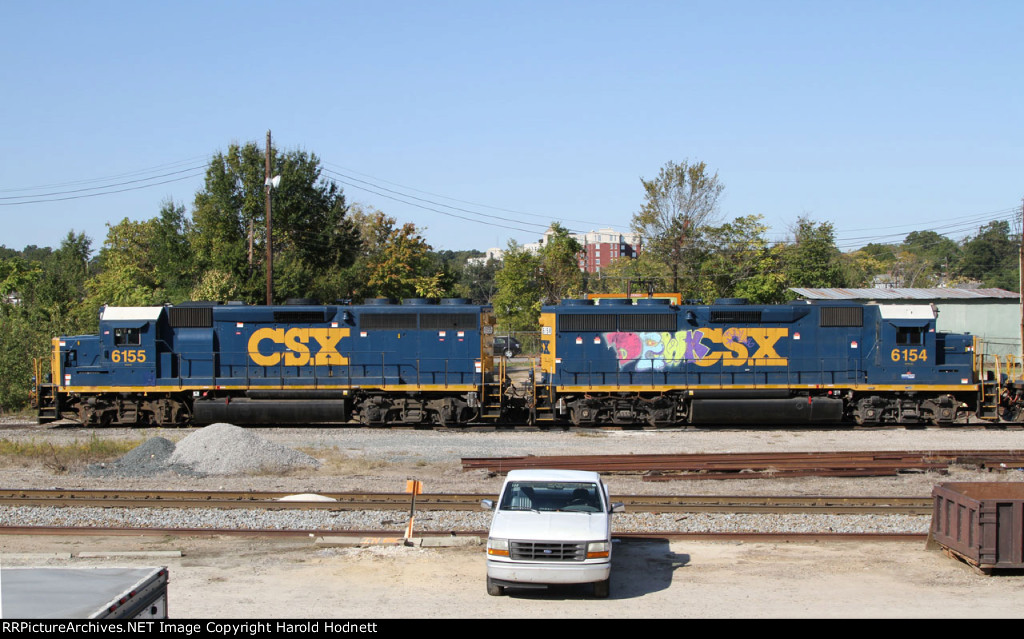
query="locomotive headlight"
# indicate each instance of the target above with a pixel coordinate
(597, 550)
(498, 547)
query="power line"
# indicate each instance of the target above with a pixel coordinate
(87, 195)
(106, 186)
(429, 208)
(486, 206)
(962, 228)
(119, 176)
(97, 187)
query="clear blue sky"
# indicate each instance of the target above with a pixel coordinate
(881, 117)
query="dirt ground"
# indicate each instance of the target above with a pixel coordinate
(249, 578)
(225, 577)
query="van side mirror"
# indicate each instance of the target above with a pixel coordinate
(487, 504)
(618, 507)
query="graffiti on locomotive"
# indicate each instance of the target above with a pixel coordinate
(736, 346)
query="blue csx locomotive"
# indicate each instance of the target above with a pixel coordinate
(648, 363)
(378, 363)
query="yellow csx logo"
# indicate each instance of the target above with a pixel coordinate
(297, 341)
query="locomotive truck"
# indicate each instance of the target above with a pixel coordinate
(620, 362)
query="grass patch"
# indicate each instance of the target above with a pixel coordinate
(59, 458)
(335, 462)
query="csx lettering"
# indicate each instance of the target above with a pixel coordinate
(740, 341)
(737, 346)
(297, 342)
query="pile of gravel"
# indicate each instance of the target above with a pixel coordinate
(225, 449)
(145, 460)
(218, 449)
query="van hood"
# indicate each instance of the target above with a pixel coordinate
(529, 525)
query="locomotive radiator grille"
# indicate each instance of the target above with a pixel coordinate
(547, 551)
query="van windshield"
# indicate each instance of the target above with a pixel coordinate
(551, 496)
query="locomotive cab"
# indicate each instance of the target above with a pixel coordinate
(917, 374)
(129, 347)
(906, 343)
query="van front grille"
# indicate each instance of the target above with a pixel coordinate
(547, 551)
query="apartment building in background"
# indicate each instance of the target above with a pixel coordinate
(600, 248)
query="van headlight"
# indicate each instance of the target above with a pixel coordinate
(498, 547)
(598, 550)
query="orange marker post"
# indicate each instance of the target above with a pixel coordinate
(415, 487)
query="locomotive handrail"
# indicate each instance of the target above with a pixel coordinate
(438, 369)
(683, 372)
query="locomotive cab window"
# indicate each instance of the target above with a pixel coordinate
(910, 335)
(127, 337)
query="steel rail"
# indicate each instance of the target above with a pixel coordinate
(377, 537)
(439, 502)
(697, 466)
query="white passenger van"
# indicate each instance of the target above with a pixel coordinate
(550, 527)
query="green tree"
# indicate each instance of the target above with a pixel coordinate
(860, 268)
(528, 280)
(18, 347)
(478, 282)
(740, 262)
(17, 274)
(53, 301)
(394, 260)
(171, 251)
(517, 301)
(19, 341)
(313, 241)
(128, 274)
(935, 248)
(992, 256)
(812, 260)
(923, 260)
(678, 206)
(42, 299)
(628, 275)
(558, 272)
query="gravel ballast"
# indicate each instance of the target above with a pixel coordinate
(444, 521)
(325, 460)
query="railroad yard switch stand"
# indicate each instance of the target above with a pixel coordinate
(415, 487)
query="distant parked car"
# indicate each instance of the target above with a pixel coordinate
(507, 345)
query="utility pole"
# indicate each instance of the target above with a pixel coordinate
(1020, 273)
(270, 248)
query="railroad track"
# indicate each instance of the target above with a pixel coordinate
(383, 537)
(668, 467)
(441, 502)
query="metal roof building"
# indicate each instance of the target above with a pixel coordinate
(993, 314)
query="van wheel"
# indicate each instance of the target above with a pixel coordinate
(494, 589)
(602, 588)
